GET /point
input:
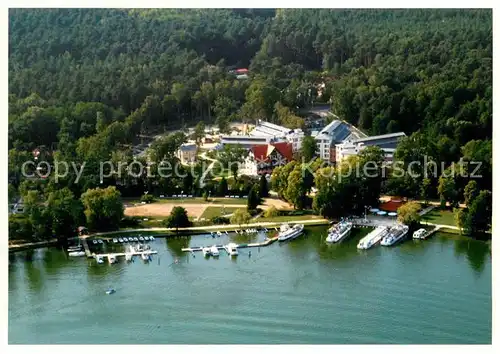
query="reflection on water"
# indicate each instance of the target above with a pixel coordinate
(176, 244)
(475, 251)
(302, 291)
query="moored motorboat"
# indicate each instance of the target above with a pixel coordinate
(136, 239)
(151, 238)
(76, 254)
(206, 251)
(75, 248)
(120, 240)
(99, 259)
(145, 257)
(394, 235)
(214, 251)
(141, 238)
(231, 249)
(420, 234)
(111, 259)
(289, 233)
(339, 232)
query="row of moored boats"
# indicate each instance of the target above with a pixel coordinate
(231, 249)
(386, 236)
(132, 239)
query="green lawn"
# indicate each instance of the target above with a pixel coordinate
(285, 218)
(443, 217)
(211, 211)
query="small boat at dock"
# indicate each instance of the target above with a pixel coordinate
(141, 238)
(289, 233)
(214, 251)
(206, 251)
(231, 249)
(76, 254)
(420, 234)
(145, 257)
(136, 239)
(99, 259)
(151, 238)
(120, 240)
(111, 259)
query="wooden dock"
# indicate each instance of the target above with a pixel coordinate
(244, 245)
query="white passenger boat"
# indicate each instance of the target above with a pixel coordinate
(394, 235)
(420, 234)
(214, 251)
(339, 232)
(231, 249)
(111, 259)
(76, 254)
(372, 238)
(289, 233)
(99, 259)
(206, 251)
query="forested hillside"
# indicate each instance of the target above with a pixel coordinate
(84, 83)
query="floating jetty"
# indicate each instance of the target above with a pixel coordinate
(123, 254)
(243, 245)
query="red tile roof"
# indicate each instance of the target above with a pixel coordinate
(261, 152)
(391, 206)
(285, 149)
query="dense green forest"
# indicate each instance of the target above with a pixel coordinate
(84, 83)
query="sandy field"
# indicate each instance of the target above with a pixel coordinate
(164, 209)
(195, 209)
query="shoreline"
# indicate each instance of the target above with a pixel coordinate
(168, 232)
(163, 232)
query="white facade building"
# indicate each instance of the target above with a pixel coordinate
(333, 133)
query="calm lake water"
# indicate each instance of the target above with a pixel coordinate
(303, 291)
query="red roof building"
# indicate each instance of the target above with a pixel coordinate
(269, 156)
(392, 205)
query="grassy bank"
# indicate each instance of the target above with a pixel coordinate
(213, 211)
(441, 217)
